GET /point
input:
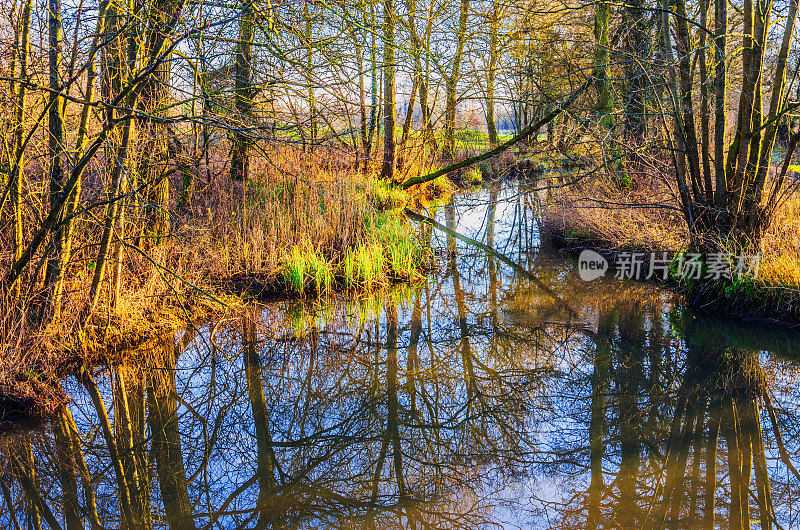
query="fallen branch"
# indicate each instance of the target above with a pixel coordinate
(527, 131)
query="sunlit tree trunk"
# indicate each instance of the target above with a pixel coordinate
(162, 19)
(361, 151)
(243, 92)
(308, 37)
(115, 67)
(491, 72)
(451, 84)
(389, 93)
(56, 154)
(373, 109)
(720, 94)
(17, 172)
(424, 83)
(411, 7)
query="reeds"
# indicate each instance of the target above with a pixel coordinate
(304, 268)
(302, 224)
(390, 251)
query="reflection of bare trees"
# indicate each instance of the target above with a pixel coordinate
(676, 441)
(719, 397)
(165, 444)
(339, 427)
(422, 413)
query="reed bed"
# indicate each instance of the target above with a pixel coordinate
(302, 225)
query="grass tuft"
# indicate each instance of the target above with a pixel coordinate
(293, 265)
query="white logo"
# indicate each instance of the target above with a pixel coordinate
(591, 265)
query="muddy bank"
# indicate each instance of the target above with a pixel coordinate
(746, 300)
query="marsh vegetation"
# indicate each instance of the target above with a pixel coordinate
(293, 265)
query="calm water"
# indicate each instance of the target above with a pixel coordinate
(483, 397)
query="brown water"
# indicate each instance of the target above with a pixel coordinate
(480, 398)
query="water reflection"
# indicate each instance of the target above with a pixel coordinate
(478, 399)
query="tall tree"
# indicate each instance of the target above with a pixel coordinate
(491, 72)
(389, 92)
(23, 47)
(451, 83)
(56, 152)
(243, 92)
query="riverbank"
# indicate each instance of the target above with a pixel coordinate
(300, 228)
(613, 221)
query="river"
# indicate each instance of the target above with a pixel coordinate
(484, 396)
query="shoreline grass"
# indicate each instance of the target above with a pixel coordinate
(772, 297)
(300, 226)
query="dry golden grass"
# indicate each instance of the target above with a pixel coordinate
(602, 213)
(781, 247)
(224, 233)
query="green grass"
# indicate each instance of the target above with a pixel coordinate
(369, 263)
(403, 250)
(391, 250)
(385, 196)
(293, 265)
(304, 268)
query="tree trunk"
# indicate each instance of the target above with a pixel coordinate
(451, 84)
(17, 172)
(601, 58)
(312, 101)
(389, 102)
(55, 134)
(636, 54)
(491, 72)
(243, 93)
